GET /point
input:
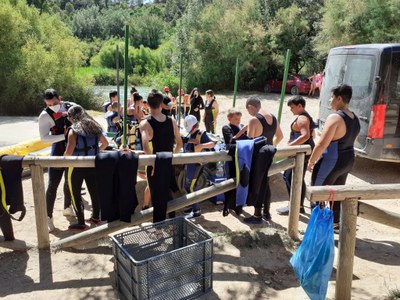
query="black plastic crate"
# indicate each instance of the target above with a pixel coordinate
(166, 260)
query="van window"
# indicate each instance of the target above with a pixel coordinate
(394, 91)
(354, 70)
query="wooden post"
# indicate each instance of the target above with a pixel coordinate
(347, 243)
(295, 194)
(39, 199)
(378, 215)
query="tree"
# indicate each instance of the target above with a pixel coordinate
(290, 30)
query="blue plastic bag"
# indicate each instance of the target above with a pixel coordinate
(313, 260)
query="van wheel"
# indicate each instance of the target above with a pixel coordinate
(294, 90)
(267, 88)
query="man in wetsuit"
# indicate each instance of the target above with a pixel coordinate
(159, 133)
(52, 127)
(301, 133)
(333, 155)
(264, 124)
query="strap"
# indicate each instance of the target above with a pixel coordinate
(3, 198)
(331, 197)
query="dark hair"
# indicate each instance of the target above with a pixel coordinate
(296, 101)
(113, 94)
(155, 100)
(137, 97)
(50, 94)
(133, 90)
(345, 91)
(194, 90)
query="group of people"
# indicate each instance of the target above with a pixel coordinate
(330, 162)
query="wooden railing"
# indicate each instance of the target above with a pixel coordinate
(294, 158)
(350, 209)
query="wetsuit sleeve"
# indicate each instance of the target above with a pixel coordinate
(200, 103)
(227, 132)
(45, 123)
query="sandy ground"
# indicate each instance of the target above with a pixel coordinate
(250, 262)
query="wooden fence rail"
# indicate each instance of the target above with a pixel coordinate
(37, 164)
(351, 207)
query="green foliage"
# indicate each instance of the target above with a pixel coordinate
(86, 23)
(37, 51)
(289, 30)
(357, 22)
(147, 30)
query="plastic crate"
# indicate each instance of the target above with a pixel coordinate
(166, 260)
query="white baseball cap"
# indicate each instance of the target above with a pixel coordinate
(190, 121)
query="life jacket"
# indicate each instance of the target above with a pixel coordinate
(86, 145)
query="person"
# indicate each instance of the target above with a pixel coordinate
(159, 133)
(196, 103)
(301, 133)
(211, 109)
(138, 107)
(52, 127)
(262, 123)
(112, 117)
(312, 87)
(180, 103)
(197, 141)
(166, 106)
(333, 155)
(84, 136)
(186, 105)
(113, 97)
(229, 131)
(172, 102)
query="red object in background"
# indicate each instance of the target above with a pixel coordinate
(295, 84)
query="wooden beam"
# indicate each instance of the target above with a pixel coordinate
(347, 244)
(378, 215)
(147, 160)
(295, 195)
(365, 192)
(39, 200)
(146, 215)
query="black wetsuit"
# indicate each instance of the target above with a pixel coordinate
(196, 102)
(337, 160)
(85, 145)
(287, 175)
(164, 177)
(229, 131)
(268, 132)
(210, 116)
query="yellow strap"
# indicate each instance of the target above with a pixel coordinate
(214, 113)
(69, 177)
(192, 185)
(237, 166)
(3, 193)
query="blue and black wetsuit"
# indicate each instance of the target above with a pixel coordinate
(264, 198)
(287, 175)
(163, 180)
(85, 145)
(338, 159)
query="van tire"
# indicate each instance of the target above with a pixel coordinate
(294, 90)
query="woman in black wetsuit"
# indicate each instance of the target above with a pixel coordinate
(196, 103)
(336, 144)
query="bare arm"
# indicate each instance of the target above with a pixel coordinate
(278, 135)
(144, 131)
(45, 123)
(327, 136)
(304, 127)
(178, 139)
(71, 143)
(216, 107)
(241, 132)
(251, 129)
(103, 141)
(200, 147)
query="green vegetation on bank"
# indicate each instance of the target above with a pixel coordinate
(70, 45)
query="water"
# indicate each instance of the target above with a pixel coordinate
(103, 91)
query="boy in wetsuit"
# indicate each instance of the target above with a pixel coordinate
(301, 133)
(159, 133)
(333, 156)
(230, 131)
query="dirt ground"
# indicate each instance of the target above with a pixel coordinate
(250, 262)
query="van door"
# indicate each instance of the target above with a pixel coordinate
(358, 70)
